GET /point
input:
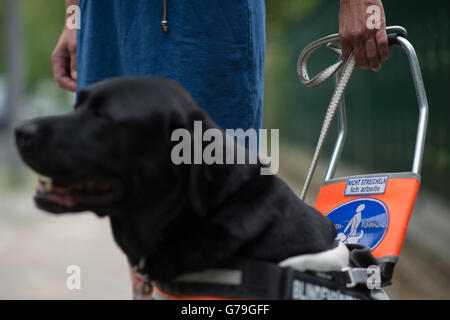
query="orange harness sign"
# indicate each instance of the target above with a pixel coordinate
(372, 210)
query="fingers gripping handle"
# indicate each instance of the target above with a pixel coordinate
(333, 43)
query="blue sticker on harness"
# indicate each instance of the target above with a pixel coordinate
(363, 221)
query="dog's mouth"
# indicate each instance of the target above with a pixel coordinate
(56, 196)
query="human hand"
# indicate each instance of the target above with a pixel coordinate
(64, 60)
(359, 34)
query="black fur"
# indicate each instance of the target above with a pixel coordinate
(179, 217)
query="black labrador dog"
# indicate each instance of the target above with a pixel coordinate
(112, 156)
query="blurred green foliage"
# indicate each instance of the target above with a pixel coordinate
(381, 107)
(42, 22)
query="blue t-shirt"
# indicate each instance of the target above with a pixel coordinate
(214, 48)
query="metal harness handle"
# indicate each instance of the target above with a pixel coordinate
(343, 72)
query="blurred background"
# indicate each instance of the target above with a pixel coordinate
(36, 248)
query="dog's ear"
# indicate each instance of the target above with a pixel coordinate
(210, 156)
(215, 174)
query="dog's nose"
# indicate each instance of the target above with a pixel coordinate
(26, 134)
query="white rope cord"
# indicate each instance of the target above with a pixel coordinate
(347, 68)
(302, 70)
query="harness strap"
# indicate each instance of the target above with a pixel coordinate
(256, 280)
(262, 280)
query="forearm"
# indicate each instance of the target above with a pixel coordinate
(64, 57)
(353, 1)
(72, 14)
(68, 4)
(71, 2)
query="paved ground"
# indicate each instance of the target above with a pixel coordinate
(36, 248)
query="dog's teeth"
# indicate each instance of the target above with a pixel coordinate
(45, 184)
(48, 186)
(45, 179)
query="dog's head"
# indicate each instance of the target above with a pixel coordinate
(112, 155)
(91, 157)
(117, 140)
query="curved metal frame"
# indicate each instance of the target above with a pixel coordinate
(423, 115)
